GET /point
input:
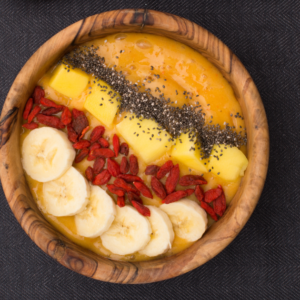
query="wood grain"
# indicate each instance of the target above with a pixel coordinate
(220, 234)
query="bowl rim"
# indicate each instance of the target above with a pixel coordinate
(220, 234)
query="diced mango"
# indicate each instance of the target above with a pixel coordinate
(103, 102)
(187, 153)
(69, 82)
(228, 163)
(143, 136)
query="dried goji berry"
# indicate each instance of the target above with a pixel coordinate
(49, 103)
(142, 209)
(80, 121)
(133, 164)
(158, 188)
(145, 191)
(81, 155)
(93, 147)
(72, 135)
(121, 201)
(98, 165)
(97, 133)
(130, 178)
(220, 203)
(124, 149)
(192, 180)
(173, 197)
(38, 93)
(32, 125)
(124, 165)
(103, 142)
(209, 210)
(89, 173)
(116, 144)
(189, 192)
(84, 132)
(164, 169)
(82, 144)
(103, 152)
(212, 194)
(199, 193)
(152, 170)
(27, 108)
(51, 121)
(134, 197)
(126, 186)
(51, 111)
(102, 178)
(33, 113)
(172, 179)
(66, 116)
(116, 190)
(113, 167)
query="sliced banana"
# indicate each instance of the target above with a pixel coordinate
(129, 232)
(47, 154)
(188, 218)
(98, 215)
(162, 233)
(66, 196)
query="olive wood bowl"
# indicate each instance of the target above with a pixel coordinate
(220, 234)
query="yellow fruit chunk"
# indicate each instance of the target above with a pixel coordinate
(103, 102)
(143, 136)
(228, 163)
(69, 82)
(187, 153)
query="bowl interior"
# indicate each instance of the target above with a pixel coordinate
(220, 234)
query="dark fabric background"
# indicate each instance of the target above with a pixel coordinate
(263, 262)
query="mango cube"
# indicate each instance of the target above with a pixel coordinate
(228, 163)
(187, 153)
(103, 102)
(143, 136)
(69, 82)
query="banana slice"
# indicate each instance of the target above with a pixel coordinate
(47, 154)
(98, 215)
(66, 196)
(129, 233)
(162, 233)
(188, 218)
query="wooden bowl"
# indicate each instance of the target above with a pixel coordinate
(220, 234)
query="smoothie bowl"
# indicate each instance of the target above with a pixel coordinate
(134, 146)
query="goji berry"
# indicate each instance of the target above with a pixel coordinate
(124, 166)
(116, 144)
(51, 111)
(134, 197)
(103, 152)
(27, 108)
(102, 178)
(72, 135)
(104, 143)
(142, 209)
(126, 186)
(33, 113)
(82, 144)
(164, 169)
(51, 121)
(192, 180)
(66, 116)
(173, 197)
(116, 190)
(84, 132)
(32, 125)
(189, 192)
(145, 191)
(80, 121)
(199, 193)
(133, 164)
(152, 170)
(130, 178)
(158, 188)
(220, 203)
(49, 103)
(81, 155)
(121, 201)
(93, 147)
(212, 194)
(97, 133)
(89, 173)
(98, 165)
(124, 149)
(113, 167)
(172, 179)
(209, 210)
(38, 93)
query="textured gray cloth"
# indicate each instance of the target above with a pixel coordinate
(263, 262)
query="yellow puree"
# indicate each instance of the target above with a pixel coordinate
(185, 70)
